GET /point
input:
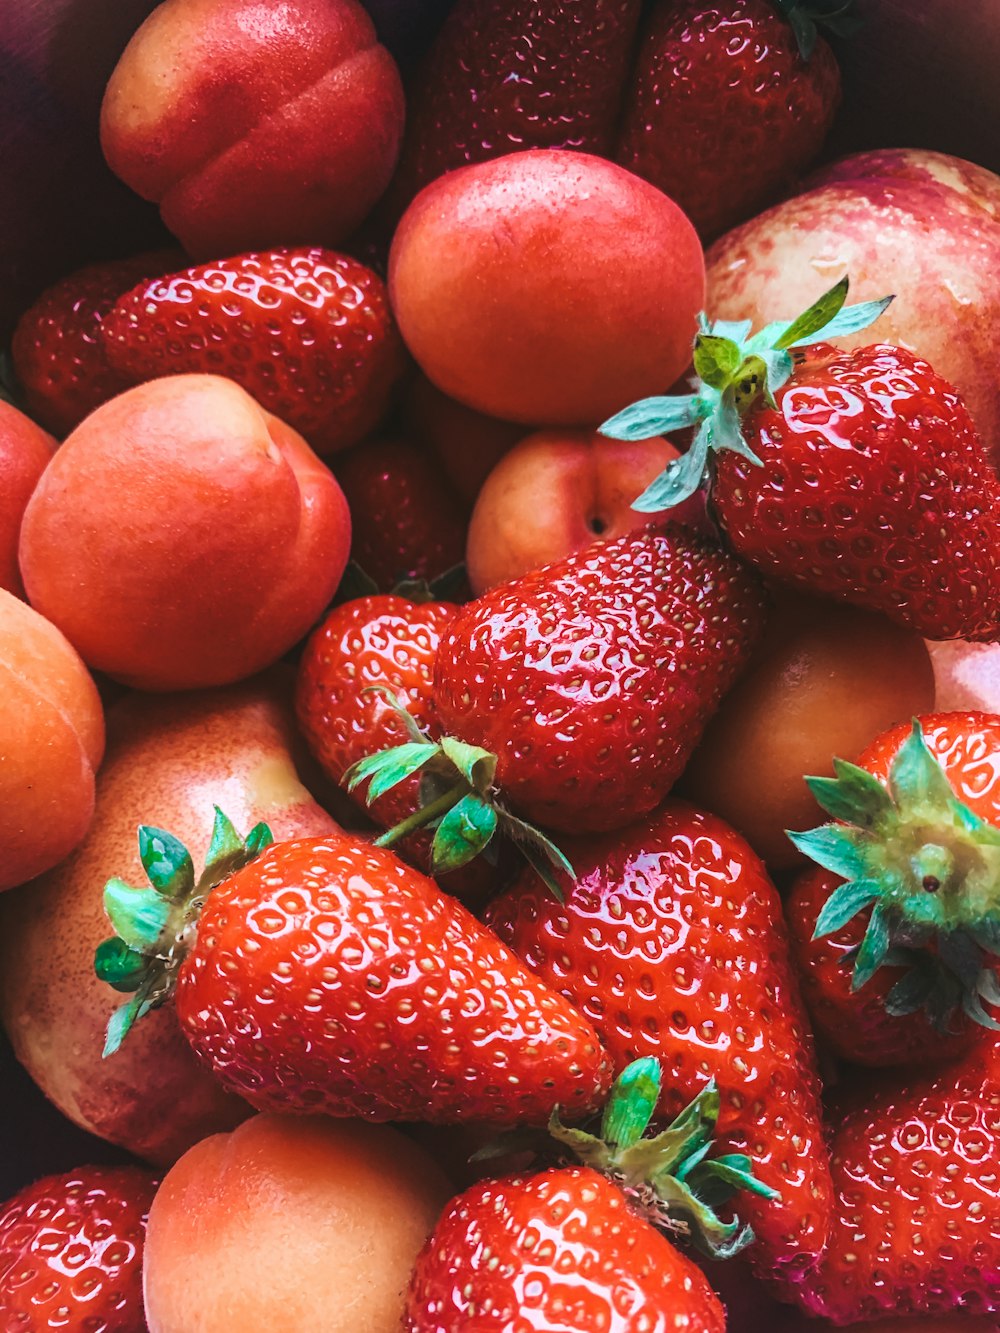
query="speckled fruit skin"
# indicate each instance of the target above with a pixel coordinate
(557, 1251)
(182, 537)
(25, 450)
(723, 111)
(854, 1024)
(290, 1223)
(331, 978)
(507, 75)
(875, 489)
(672, 943)
(916, 1228)
(169, 759)
(255, 126)
(923, 225)
(51, 744)
(71, 1252)
(591, 679)
(571, 287)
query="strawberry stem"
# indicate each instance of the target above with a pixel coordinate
(423, 816)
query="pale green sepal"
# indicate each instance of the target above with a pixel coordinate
(654, 416)
(716, 360)
(819, 316)
(736, 1171)
(226, 842)
(137, 915)
(462, 833)
(779, 366)
(834, 847)
(166, 861)
(119, 966)
(120, 1024)
(258, 840)
(631, 1103)
(854, 795)
(727, 432)
(873, 950)
(852, 319)
(844, 904)
(680, 480)
(737, 330)
(541, 853)
(476, 765)
(397, 765)
(916, 778)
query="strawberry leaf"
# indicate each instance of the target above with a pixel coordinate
(844, 904)
(680, 480)
(716, 360)
(462, 834)
(631, 1103)
(476, 765)
(119, 966)
(654, 416)
(139, 916)
(854, 795)
(874, 948)
(835, 848)
(166, 861)
(817, 317)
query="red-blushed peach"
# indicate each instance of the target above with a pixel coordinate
(557, 492)
(51, 743)
(25, 450)
(255, 125)
(828, 680)
(290, 1224)
(547, 287)
(182, 537)
(921, 225)
(169, 761)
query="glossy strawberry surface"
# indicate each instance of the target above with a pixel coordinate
(723, 109)
(560, 1251)
(854, 1024)
(306, 331)
(592, 678)
(875, 489)
(672, 943)
(71, 1253)
(331, 978)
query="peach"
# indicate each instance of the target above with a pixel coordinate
(829, 680)
(182, 537)
(51, 743)
(255, 125)
(290, 1224)
(918, 224)
(547, 287)
(557, 492)
(25, 449)
(169, 761)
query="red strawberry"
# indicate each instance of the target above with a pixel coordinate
(729, 102)
(672, 943)
(57, 350)
(406, 522)
(306, 331)
(327, 977)
(560, 1251)
(907, 950)
(71, 1252)
(504, 75)
(915, 1226)
(858, 475)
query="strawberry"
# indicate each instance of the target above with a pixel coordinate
(857, 475)
(672, 943)
(71, 1252)
(306, 331)
(406, 522)
(897, 938)
(505, 75)
(324, 976)
(57, 350)
(915, 1227)
(730, 101)
(574, 696)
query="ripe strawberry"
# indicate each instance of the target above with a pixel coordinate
(406, 522)
(672, 943)
(915, 1227)
(505, 75)
(897, 961)
(729, 102)
(324, 976)
(559, 1251)
(858, 475)
(71, 1252)
(57, 350)
(306, 331)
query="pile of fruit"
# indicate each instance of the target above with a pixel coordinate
(499, 703)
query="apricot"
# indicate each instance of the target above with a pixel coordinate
(290, 1224)
(183, 537)
(25, 449)
(828, 680)
(555, 493)
(255, 125)
(169, 760)
(547, 287)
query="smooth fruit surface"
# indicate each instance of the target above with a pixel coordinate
(290, 1224)
(546, 287)
(25, 450)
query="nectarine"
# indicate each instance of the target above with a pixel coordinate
(25, 449)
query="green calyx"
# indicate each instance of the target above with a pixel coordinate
(807, 17)
(459, 801)
(669, 1176)
(734, 371)
(928, 867)
(155, 924)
